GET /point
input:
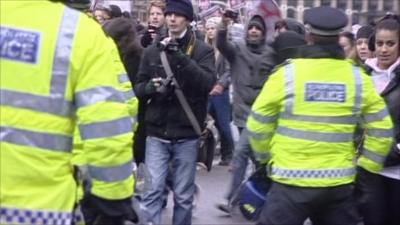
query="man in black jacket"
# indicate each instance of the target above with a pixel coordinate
(171, 136)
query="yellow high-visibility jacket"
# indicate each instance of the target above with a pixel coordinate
(58, 71)
(304, 119)
(125, 87)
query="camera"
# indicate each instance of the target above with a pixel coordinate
(231, 14)
(164, 85)
(171, 46)
(152, 27)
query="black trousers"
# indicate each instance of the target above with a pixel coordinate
(290, 205)
(378, 198)
(139, 141)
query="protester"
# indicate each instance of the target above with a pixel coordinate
(156, 27)
(101, 15)
(219, 106)
(287, 45)
(380, 194)
(172, 139)
(346, 40)
(251, 62)
(114, 11)
(200, 27)
(123, 32)
(280, 27)
(296, 131)
(287, 24)
(362, 38)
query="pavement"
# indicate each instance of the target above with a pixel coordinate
(214, 185)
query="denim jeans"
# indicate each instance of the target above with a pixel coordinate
(239, 163)
(220, 109)
(182, 156)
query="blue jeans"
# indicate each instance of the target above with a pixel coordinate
(220, 109)
(182, 156)
(239, 164)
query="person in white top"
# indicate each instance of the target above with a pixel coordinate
(380, 197)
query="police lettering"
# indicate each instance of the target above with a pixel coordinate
(19, 45)
(325, 92)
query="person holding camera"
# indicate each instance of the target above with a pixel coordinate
(156, 25)
(251, 62)
(172, 139)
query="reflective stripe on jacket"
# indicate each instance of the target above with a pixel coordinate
(57, 71)
(125, 87)
(304, 119)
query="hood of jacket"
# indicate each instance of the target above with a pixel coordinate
(262, 40)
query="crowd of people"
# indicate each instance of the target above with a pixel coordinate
(317, 108)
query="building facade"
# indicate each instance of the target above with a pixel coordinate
(359, 11)
(139, 9)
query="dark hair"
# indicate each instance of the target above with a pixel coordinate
(281, 24)
(126, 14)
(349, 36)
(115, 11)
(389, 22)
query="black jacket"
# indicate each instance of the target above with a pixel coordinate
(195, 74)
(391, 95)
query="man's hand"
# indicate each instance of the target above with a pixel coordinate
(153, 84)
(217, 90)
(225, 19)
(169, 45)
(152, 31)
(97, 210)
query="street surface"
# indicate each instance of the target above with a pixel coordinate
(213, 187)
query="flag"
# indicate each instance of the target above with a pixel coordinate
(203, 4)
(237, 4)
(268, 10)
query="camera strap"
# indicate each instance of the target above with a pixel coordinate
(179, 94)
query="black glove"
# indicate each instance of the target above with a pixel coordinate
(176, 56)
(146, 39)
(98, 211)
(150, 87)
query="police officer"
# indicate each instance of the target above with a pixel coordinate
(302, 125)
(58, 70)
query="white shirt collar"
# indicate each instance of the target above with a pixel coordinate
(181, 35)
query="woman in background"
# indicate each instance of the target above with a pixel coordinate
(362, 38)
(218, 105)
(380, 193)
(346, 40)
